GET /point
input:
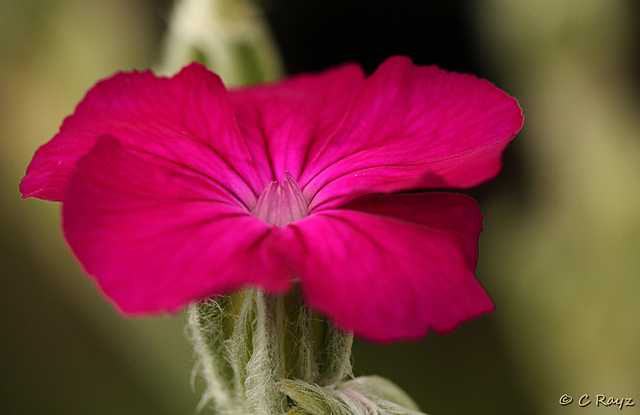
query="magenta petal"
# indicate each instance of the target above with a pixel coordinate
(283, 123)
(413, 127)
(392, 267)
(148, 113)
(156, 236)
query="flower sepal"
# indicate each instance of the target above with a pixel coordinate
(249, 343)
(260, 354)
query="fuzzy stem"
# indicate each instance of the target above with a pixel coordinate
(248, 344)
(264, 355)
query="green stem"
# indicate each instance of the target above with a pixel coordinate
(264, 355)
(249, 343)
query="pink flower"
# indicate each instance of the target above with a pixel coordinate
(175, 190)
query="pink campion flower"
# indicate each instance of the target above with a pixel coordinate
(175, 190)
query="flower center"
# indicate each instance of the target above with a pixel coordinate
(281, 203)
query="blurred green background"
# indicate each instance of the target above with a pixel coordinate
(559, 253)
